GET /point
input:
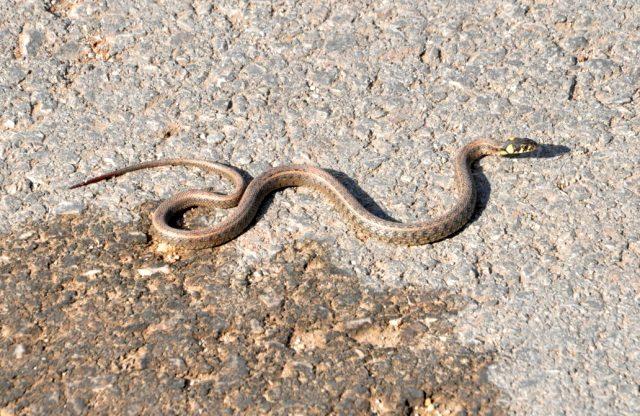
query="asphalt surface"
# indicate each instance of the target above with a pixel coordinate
(532, 309)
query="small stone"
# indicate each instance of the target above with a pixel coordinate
(255, 70)
(256, 326)
(178, 363)
(602, 68)
(222, 104)
(340, 43)
(9, 124)
(134, 237)
(244, 159)
(322, 114)
(356, 324)
(29, 41)
(240, 105)
(178, 383)
(69, 208)
(165, 248)
(26, 235)
(19, 351)
(214, 138)
(150, 271)
(395, 322)
(236, 366)
(528, 272)
(271, 300)
(429, 320)
(325, 77)
(575, 43)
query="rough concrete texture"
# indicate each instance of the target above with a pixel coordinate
(537, 299)
(97, 320)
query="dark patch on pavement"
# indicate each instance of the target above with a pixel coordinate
(95, 319)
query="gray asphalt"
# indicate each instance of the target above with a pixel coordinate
(383, 92)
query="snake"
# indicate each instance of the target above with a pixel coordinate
(247, 197)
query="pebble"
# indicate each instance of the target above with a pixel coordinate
(150, 271)
(19, 351)
(69, 208)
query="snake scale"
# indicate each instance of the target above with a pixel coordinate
(247, 198)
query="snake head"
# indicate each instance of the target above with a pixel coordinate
(517, 146)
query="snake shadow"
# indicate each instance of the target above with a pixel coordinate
(483, 187)
(551, 150)
(360, 194)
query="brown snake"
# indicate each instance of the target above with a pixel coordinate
(248, 198)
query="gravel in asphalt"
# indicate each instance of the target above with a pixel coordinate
(545, 278)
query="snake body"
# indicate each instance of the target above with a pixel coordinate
(247, 199)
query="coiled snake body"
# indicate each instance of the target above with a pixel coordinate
(247, 199)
